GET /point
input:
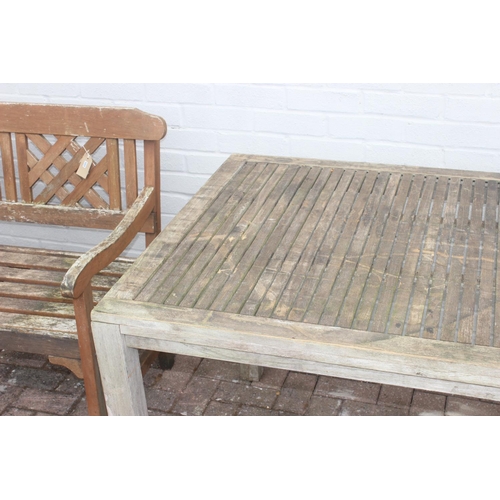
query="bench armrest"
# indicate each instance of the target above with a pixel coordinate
(95, 260)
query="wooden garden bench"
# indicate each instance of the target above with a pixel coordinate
(46, 296)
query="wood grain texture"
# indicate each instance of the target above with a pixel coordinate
(46, 296)
(86, 121)
(9, 175)
(355, 270)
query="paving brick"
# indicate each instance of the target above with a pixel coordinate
(427, 404)
(272, 377)
(358, 409)
(80, 410)
(173, 381)
(293, 400)
(23, 359)
(301, 381)
(160, 400)
(347, 389)
(71, 385)
(323, 407)
(196, 396)
(35, 378)
(459, 406)
(46, 401)
(230, 392)
(16, 412)
(217, 409)
(152, 377)
(395, 396)
(8, 396)
(253, 411)
(219, 370)
(187, 364)
(5, 372)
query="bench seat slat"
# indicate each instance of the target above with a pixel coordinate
(49, 278)
(27, 260)
(43, 325)
(37, 308)
(38, 292)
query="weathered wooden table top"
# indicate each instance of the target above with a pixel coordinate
(369, 272)
(410, 252)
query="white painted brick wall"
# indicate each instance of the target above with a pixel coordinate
(450, 125)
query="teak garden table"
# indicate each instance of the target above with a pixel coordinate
(369, 272)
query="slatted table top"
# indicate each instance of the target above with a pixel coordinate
(393, 250)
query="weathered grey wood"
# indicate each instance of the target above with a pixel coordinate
(376, 273)
(120, 372)
(51, 278)
(251, 373)
(327, 369)
(297, 342)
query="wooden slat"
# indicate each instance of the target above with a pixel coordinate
(44, 145)
(53, 253)
(68, 170)
(292, 267)
(376, 167)
(467, 320)
(278, 243)
(49, 326)
(66, 216)
(398, 250)
(484, 327)
(130, 160)
(405, 275)
(22, 167)
(51, 278)
(381, 257)
(48, 159)
(222, 288)
(38, 292)
(9, 175)
(37, 308)
(170, 254)
(152, 179)
(161, 249)
(85, 121)
(364, 261)
(113, 165)
(46, 177)
(225, 238)
(85, 185)
(417, 296)
(344, 276)
(312, 309)
(293, 243)
(448, 327)
(438, 284)
(28, 260)
(307, 270)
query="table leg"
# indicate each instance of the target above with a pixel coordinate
(120, 370)
(250, 373)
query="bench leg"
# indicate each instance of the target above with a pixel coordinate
(120, 372)
(73, 365)
(251, 373)
(91, 377)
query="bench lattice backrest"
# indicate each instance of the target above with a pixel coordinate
(41, 149)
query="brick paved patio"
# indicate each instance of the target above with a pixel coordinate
(29, 385)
